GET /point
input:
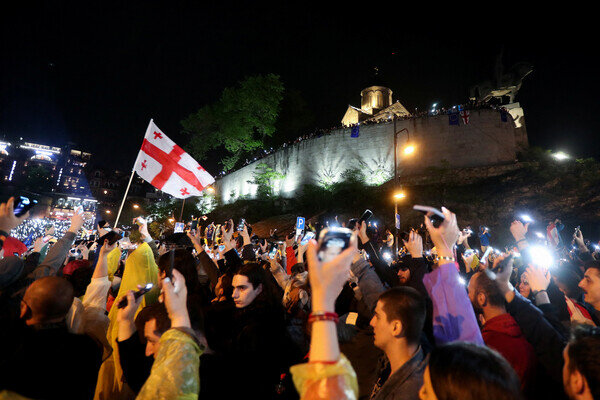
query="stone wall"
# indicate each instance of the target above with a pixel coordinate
(485, 141)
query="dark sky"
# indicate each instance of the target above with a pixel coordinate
(94, 74)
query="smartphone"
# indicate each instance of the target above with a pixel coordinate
(92, 238)
(486, 254)
(228, 226)
(332, 241)
(79, 210)
(111, 236)
(179, 226)
(137, 294)
(435, 215)
(307, 236)
(273, 251)
(23, 204)
(353, 223)
(221, 247)
(240, 226)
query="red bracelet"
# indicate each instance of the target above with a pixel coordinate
(323, 316)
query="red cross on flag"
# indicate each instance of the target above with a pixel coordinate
(465, 115)
(168, 168)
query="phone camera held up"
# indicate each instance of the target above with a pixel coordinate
(23, 204)
(332, 241)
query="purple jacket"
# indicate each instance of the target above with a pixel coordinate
(453, 315)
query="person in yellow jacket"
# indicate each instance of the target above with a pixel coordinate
(328, 374)
(140, 269)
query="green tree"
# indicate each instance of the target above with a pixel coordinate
(264, 178)
(240, 120)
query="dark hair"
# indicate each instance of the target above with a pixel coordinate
(253, 272)
(584, 355)
(408, 306)
(485, 284)
(80, 279)
(157, 312)
(257, 276)
(593, 264)
(570, 279)
(298, 268)
(467, 371)
(183, 261)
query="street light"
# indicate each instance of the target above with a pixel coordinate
(408, 150)
(399, 195)
(107, 211)
(561, 156)
(136, 206)
(210, 189)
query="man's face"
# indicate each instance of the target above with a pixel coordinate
(591, 287)
(152, 336)
(382, 328)
(403, 276)
(243, 291)
(473, 292)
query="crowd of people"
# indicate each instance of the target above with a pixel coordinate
(219, 312)
(317, 133)
(32, 228)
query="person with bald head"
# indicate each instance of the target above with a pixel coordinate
(500, 330)
(40, 357)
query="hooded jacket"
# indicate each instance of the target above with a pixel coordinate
(502, 333)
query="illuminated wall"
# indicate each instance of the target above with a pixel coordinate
(486, 140)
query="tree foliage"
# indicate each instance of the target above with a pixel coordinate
(264, 178)
(240, 121)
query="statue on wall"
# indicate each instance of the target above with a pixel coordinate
(504, 84)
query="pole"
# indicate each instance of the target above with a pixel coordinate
(395, 186)
(124, 197)
(181, 215)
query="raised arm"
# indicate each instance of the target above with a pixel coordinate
(58, 252)
(328, 375)
(453, 315)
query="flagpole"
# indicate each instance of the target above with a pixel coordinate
(181, 215)
(125, 196)
(129, 184)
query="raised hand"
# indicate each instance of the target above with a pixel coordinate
(8, 220)
(106, 248)
(414, 245)
(518, 230)
(327, 279)
(362, 232)
(175, 297)
(538, 278)
(76, 223)
(444, 237)
(127, 313)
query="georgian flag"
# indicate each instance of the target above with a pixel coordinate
(167, 167)
(552, 235)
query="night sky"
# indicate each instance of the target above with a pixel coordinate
(95, 74)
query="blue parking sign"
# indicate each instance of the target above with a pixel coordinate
(300, 223)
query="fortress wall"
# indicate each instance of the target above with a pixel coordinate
(486, 140)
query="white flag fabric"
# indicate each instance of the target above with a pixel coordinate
(167, 167)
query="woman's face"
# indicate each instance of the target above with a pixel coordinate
(426, 392)
(524, 287)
